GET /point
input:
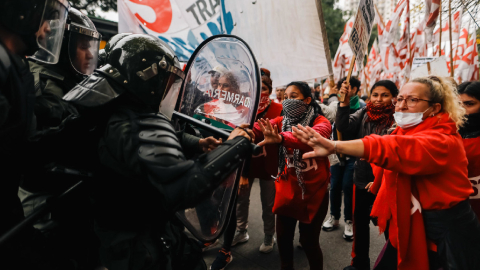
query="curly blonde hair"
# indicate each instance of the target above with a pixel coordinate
(443, 91)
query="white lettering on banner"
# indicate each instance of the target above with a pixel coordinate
(305, 164)
(476, 187)
(242, 101)
(224, 94)
(237, 97)
(217, 93)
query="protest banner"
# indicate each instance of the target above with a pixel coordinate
(286, 37)
(438, 67)
(361, 31)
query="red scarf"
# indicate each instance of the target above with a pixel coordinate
(398, 198)
(383, 115)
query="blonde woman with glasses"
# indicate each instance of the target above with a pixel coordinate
(425, 188)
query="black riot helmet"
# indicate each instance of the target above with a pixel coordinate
(81, 44)
(39, 23)
(146, 67)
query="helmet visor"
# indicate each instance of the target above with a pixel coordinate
(83, 49)
(167, 106)
(50, 34)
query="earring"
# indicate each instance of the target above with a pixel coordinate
(433, 115)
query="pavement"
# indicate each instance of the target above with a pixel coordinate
(336, 251)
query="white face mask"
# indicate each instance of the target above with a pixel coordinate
(407, 120)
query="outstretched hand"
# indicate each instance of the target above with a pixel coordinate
(270, 132)
(321, 147)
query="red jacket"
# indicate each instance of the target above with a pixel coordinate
(472, 147)
(316, 174)
(424, 167)
(261, 166)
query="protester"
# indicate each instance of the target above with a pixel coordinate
(317, 91)
(376, 118)
(280, 93)
(301, 185)
(342, 174)
(258, 169)
(470, 132)
(425, 189)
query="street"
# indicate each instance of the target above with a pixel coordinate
(336, 251)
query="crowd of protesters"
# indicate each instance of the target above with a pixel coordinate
(406, 159)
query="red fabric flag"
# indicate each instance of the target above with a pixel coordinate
(341, 62)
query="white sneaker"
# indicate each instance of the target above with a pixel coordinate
(267, 245)
(348, 233)
(240, 237)
(331, 224)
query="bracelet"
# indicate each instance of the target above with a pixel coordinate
(335, 147)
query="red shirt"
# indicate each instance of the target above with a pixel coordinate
(316, 174)
(259, 165)
(472, 147)
(424, 167)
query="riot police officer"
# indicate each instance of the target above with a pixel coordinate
(78, 58)
(144, 176)
(26, 27)
(68, 227)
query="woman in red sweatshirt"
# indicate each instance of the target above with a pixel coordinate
(425, 189)
(301, 185)
(470, 97)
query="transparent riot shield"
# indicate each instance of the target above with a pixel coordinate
(221, 88)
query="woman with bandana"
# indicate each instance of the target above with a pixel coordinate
(375, 118)
(470, 98)
(301, 184)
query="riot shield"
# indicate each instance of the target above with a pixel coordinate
(221, 88)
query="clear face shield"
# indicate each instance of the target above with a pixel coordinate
(83, 47)
(50, 33)
(173, 83)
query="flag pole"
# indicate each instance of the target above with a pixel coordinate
(325, 42)
(440, 38)
(450, 33)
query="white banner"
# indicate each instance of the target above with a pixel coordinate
(284, 35)
(182, 24)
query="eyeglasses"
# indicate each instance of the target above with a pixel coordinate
(223, 85)
(411, 102)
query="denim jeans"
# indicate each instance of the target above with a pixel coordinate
(342, 179)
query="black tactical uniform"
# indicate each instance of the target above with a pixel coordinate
(22, 20)
(145, 177)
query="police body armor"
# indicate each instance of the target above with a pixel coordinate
(146, 176)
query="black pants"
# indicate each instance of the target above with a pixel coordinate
(361, 228)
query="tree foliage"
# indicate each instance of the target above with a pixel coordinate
(90, 6)
(335, 24)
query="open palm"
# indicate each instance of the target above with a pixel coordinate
(321, 146)
(270, 133)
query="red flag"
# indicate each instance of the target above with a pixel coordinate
(341, 62)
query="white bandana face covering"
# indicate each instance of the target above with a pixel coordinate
(407, 120)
